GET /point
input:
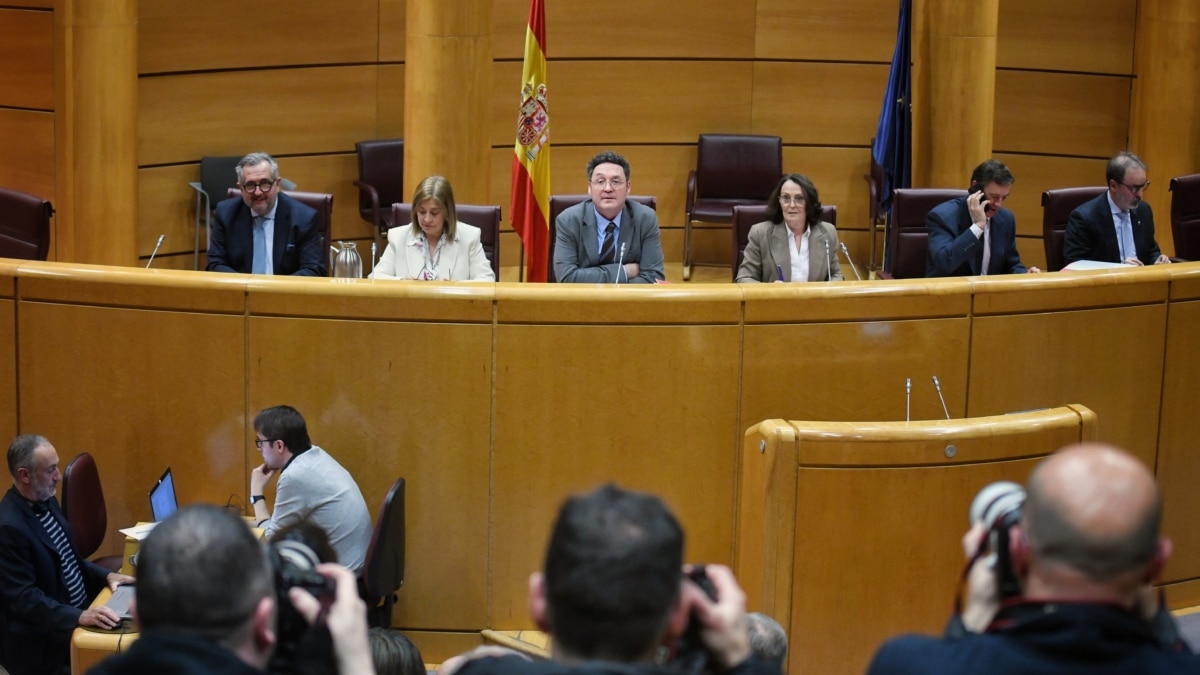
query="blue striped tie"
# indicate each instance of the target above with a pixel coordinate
(66, 557)
(259, 263)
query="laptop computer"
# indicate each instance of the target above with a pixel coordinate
(162, 497)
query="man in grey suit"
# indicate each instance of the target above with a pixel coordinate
(608, 239)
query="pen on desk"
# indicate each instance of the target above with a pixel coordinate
(780, 269)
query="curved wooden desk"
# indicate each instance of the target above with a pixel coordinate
(495, 401)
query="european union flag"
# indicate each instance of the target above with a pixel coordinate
(893, 138)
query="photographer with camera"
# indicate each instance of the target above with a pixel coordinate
(206, 602)
(614, 599)
(1082, 551)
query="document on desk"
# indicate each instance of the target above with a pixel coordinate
(138, 532)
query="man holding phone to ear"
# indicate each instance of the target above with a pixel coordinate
(975, 235)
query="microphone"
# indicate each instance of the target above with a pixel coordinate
(938, 386)
(373, 244)
(620, 264)
(850, 260)
(907, 398)
(828, 264)
(155, 251)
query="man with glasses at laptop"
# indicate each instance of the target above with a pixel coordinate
(45, 585)
(264, 231)
(312, 486)
(1117, 226)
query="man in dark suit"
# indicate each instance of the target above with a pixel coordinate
(1117, 226)
(263, 231)
(45, 584)
(608, 239)
(975, 235)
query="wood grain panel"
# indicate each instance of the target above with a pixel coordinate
(390, 103)
(1177, 469)
(27, 163)
(1037, 173)
(838, 174)
(26, 59)
(1073, 290)
(825, 30)
(590, 304)
(1061, 113)
(818, 103)
(369, 299)
(1092, 36)
(31, 4)
(554, 437)
(854, 371)
(185, 117)
(397, 399)
(711, 29)
(221, 34)
(660, 101)
(843, 301)
(133, 396)
(392, 30)
(133, 287)
(8, 361)
(1098, 373)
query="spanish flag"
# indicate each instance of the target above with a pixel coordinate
(531, 160)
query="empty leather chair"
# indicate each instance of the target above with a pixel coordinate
(383, 572)
(731, 169)
(380, 182)
(83, 505)
(908, 240)
(1185, 216)
(560, 203)
(746, 217)
(24, 225)
(485, 217)
(1057, 206)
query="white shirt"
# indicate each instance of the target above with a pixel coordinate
(800, 257)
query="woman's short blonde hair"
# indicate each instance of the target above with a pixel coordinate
(438, 189)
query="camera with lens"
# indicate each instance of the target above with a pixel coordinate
(998, 507)
(691, 655)
(295, 566)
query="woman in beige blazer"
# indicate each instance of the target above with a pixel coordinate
(436, 247)
(794, 240)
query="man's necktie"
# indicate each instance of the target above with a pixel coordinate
(69, 566)
(987, 248)
(260, 247)
(1128, 248)
(606, 251)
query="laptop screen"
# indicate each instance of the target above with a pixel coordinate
(162, 497)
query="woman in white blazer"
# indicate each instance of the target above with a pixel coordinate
(435, 247)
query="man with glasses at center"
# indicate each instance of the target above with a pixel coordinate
(264, 231)
(1117, 226)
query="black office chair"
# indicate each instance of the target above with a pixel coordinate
(383, 573)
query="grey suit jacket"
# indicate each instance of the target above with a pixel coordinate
(577, 251)
(767, 250)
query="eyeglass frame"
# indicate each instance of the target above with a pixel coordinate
(251, 188)
(601, 183)
(789, 199)
(1136, 188)
(258, 442)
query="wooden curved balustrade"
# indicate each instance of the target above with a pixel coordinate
(495, 401)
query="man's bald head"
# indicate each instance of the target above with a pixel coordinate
(1093, 508)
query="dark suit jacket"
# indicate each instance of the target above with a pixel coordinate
(37, 619)
(1092, 235)
(955, 251)
(577, 251)
(297, 245)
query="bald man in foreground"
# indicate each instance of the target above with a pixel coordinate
(1086, 550)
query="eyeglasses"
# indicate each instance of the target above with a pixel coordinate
(265, 186)
(601, 183)
(788, 199)
(1137, 188)
(258, 442)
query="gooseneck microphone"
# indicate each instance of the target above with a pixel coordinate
(850, 260)
(938, 386)
(828, 263)
(907, 398)
(373, 249)
(620, 264)
(153, 253)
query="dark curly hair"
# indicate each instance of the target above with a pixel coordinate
(812, 202)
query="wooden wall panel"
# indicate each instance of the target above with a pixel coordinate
(31, 4)
(390, 107)
(26, 59)
(555, 437)
(818, 103)
(660, 101)
(1178, 472)
(9, 387)
(134, 395)
(392, 30)
(838, 174)
(1090, 36)
(1093, 372)
(1061, 113)
(826, 30)
(397, 399)
(219, 34)
(1037, 173)
(292, 111)
(27, 161)
(709, 29)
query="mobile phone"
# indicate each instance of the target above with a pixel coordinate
(977, 188)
